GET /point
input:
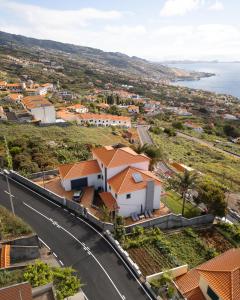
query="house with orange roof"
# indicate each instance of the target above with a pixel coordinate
(216, 279)
(78, 108)
(104, 120)
(66, 115)
(193, 126)
(16, 87)
(41, 109)
(14, 97)
(3, 85)
(121, 174)
(133, 109)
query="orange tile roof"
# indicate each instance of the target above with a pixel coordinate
(111, 157)
(90, 116)
(109, 201)
(123, 182)
(222, 273)
(103, 105)
(14, 85)
(80, 169)
(13, 292)
(15, 97)
(3, 83)
(35, 101)
(66, 115)
(76, 106)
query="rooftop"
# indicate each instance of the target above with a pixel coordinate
(16, 292)
(108, 201)
(80, 169)
(35, 101)
(132, 179)
(222, 274)
(113, 157)
(90, 116)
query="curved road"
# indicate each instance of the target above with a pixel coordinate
(76, 244)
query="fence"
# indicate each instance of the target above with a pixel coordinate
(73, 206)
(172, 221)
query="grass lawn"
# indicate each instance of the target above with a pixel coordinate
(174, 202)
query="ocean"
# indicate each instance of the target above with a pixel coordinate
(226, 81)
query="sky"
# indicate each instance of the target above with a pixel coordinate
(153, 29)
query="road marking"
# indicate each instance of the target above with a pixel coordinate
(54, 254)
(39, 195)
(44, 243)
(120, 257)
(89, 253)
(8, 193)
(61, 263)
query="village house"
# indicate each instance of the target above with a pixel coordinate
(16, 87)
(216, 279)
(133, 109)
(103, 106)
(78, 108)
(3, 116)
(41, 109)
(104, 120)
(194, 127)
(14, 97)
(120, 175)
(3, 85)
(66, 116)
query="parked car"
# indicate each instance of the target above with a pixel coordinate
(77, 196)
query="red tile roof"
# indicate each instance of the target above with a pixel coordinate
(77, 170)
(222, 273)
(16, 292)
(123, 182)
(90, 116)
(109, 201)
(32, 102)
(112, 157)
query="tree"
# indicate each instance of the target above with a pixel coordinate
(184, 182)
(38, 274)
(119, 229)
(212, 195)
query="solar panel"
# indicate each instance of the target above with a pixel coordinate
(137, 177)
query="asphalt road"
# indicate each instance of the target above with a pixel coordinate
(76, 244)
(144, 135)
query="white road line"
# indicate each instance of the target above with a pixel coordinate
(44, 243)
(8, 193)
(39, 195)
(91, 254)
(72, 214)
(54, 254)
(61, 263)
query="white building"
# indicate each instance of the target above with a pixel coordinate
(41, 109)
(78, 108)
(104, 120)
(3, 116)
(122, 174)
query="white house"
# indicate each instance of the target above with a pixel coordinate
(123, 177)
(78, 108)
(104, 120)
(16, 87)
(133, 109)
(41, 109)
(3, 85)
(2, 114)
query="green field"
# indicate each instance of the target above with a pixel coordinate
(222, 167)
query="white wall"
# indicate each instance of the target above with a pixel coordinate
(138, 198)
(46, 114)
(92, 181)
(204, 286)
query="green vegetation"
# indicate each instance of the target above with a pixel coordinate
(164, 286)
(174, 202)
(12, 226)
(220, 167)
(42, 148)
(10, 277)
(231, 232)
(64, 280)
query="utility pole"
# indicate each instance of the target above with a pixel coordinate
(6, 173)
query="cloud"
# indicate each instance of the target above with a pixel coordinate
(55, 18)
(217, 6)
(179, 7)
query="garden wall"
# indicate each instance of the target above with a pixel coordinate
(172, 221)
(175, 272)
(73, 206)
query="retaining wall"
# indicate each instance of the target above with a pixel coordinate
(23, 253)
(172, 221)
(175, 272)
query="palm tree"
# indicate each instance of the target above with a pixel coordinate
(141, 148)
(185, 182)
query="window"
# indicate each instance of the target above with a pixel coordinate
(110, 188)
(212, 294)
(102, 165)
(128, 196)
(116, 195)
(99, 176)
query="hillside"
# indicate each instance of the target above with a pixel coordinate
(97, 59)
